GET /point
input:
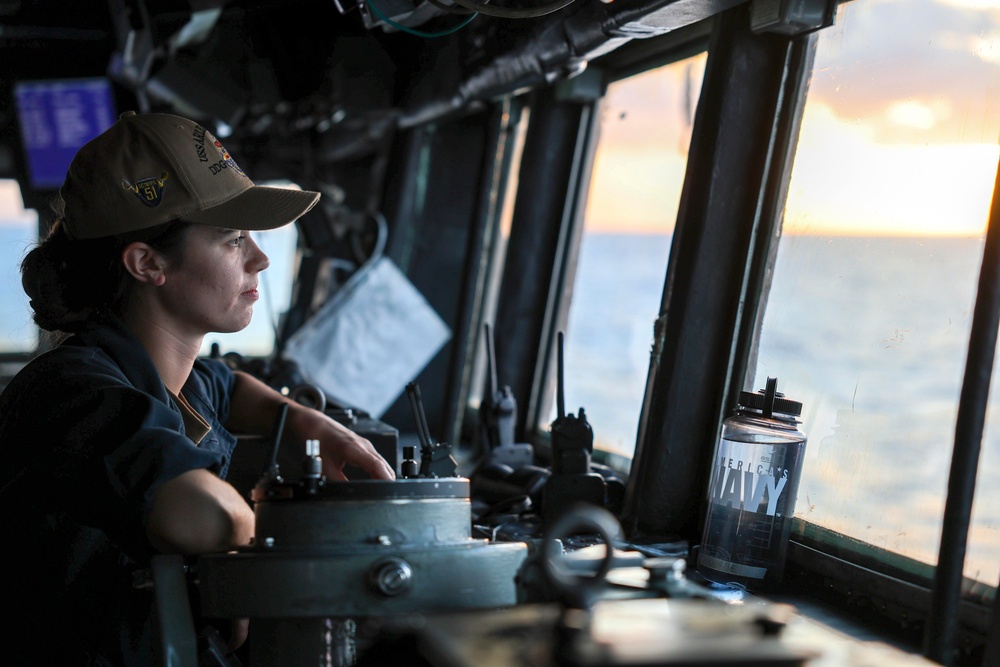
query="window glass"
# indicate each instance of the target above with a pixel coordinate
(498, 253)
(868, 317)
(631, 209)
(18, 231)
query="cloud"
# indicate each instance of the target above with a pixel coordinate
(974, 4)
(915, 71)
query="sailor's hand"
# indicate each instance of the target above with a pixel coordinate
(339, 446)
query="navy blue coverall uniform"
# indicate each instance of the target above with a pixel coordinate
(88, 432)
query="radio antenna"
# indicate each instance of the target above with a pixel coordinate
(560, 399)
(491, 361)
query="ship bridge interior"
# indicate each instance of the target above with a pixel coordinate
(426, 303)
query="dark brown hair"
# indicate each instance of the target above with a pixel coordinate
(69, 282)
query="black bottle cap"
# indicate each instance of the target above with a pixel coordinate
(769, 401)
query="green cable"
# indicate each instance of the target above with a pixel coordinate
(419, 33)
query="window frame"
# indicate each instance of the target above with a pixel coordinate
(899, 596)
(635, 58)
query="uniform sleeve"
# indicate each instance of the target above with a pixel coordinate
(101, 446)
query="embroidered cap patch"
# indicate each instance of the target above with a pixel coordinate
(148, 190)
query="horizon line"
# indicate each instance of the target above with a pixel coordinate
(800, 232)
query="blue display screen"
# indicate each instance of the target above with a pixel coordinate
(57, 117)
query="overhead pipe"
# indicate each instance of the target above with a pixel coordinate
(561, 47)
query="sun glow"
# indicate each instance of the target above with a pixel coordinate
(844, 182)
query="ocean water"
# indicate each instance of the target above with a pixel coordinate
(17, 333)
(615, 302)
(870, 334)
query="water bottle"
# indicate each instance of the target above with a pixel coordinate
(755, 478)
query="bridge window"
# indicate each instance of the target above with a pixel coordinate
(18, 231)
(635, 187)
(868, 318)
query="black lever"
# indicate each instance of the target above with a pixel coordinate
(417, 405)
(272, 474)
(435, 458)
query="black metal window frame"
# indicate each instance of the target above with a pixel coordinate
(732, 218)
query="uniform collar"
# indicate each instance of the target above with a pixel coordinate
(110, 334)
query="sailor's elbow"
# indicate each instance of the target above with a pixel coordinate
(199, 513)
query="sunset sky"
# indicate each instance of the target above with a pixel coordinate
(901, 133)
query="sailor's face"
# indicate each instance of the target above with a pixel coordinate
(214, 287)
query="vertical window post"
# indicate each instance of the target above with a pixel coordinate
(942, 622)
